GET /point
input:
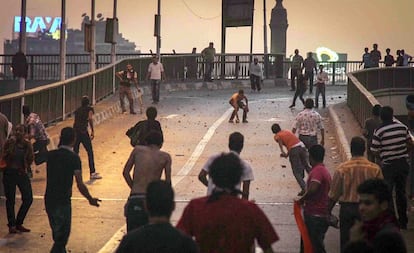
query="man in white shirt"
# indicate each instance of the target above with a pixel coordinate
(236, 142)
(307, 123)
(256, 74)
(321, 79)
(155, 74)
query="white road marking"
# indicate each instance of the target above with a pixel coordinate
(170, 116)
(113, 243)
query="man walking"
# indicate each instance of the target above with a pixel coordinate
(236, 142)
(83, 117)
(62, 165)
(155, 74)
(296, 151)
(348, 176)
(127, 78)
(256, 75)
(307, 123)
(391, 141)
(158, 236)
(149, 162)
(296, 66)
(208, 55)
(321, 79)
(315, 199)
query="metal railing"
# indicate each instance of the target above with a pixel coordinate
(364, 85)
(178, 67)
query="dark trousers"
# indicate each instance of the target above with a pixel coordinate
(235, 112)
(348, 214)
(320, 90)
(12, 178)
(155, 90)
(411, 174)
(293, 76)
(209, 69)
(310, 75)
(308, 140)
(126, 91)
(60, 218)
(317, 227)
(298, 157)
(395, 174)
(255, 82)
(135, 213)
(299, 93)
(84, 138)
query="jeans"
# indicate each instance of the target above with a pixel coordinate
(255, 82)
(84, 138)
(348, 214)
(320, 89)
(310, 75)
(299, 161)
(299, 93)
(395, 174)
(126, 91)
(293, 76)
(60, 218)
(317, 227)
(12, 178)
(209, 69)
(135, 213)
(308, 140)
(155, 90)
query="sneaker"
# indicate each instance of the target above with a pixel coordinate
(22, 229)
(95, 175)
(132, 113)
(237, 121)
(245, 121)
(123, 111)
(291, 106)
(231, 121)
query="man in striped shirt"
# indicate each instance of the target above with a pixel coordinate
(391, 141)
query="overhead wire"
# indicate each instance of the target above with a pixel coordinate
(198, 16)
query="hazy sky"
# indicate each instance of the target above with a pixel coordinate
(345, 26)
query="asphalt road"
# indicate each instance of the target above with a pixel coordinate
(195, 125)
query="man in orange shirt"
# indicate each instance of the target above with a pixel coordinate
(296, 152)
(237, 102)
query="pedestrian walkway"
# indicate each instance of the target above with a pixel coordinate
(343, 127)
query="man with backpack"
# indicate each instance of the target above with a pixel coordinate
(127, 78)
(138, 132)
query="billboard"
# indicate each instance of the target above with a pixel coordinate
(238, 13)
(36, 26)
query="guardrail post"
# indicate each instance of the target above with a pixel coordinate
(333, 73)
(236, 70)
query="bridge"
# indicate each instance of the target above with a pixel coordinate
(202, 110)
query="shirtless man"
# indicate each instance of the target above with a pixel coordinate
(149, 162)
(237, 102)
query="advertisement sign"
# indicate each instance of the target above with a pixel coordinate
(38, 25)
(238, 13)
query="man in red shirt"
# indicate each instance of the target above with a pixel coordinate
(215, 224)
(315, 200)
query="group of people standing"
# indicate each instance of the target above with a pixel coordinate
(371, 59)
(302, 73)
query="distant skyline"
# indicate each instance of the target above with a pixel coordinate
(343, 26)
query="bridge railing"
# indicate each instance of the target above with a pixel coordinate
(178, 67)
(364, 85)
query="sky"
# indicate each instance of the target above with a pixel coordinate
(344, 26)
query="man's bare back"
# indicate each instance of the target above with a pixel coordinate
(149, 162)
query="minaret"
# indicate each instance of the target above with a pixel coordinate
(278, 28)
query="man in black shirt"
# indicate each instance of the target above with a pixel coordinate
(158, 236)
(62, 165)
(83, 116)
